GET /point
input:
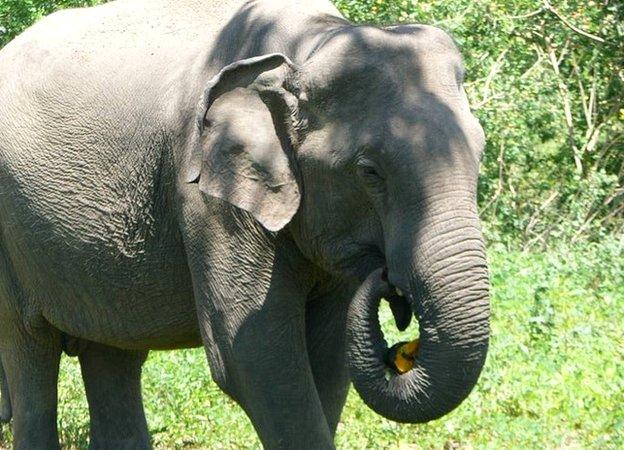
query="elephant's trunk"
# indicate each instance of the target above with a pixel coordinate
(448, 285)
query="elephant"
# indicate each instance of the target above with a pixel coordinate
(253, 177)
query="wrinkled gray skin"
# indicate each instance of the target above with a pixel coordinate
(133, 217)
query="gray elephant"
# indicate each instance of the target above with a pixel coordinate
(325, 166)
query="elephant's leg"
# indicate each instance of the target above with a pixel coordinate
(31, 354)
(275, 384)
(251, 311)
(269, 375)
(31, 361)
(5, 399)
(326, 317)
(112, 379)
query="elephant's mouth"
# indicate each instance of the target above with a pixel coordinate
(399, 304)
(401, 356)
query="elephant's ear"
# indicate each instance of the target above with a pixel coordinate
(243, 152)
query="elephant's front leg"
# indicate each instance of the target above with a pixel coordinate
(274, 382)
(251, 309)
(112, 379)
(326, 317)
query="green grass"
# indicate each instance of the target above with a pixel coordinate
(554, 377)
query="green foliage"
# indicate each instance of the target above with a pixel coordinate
(554, 377)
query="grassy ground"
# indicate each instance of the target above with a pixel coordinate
(554, 376)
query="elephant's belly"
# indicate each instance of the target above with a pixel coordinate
(128, 319)
(134, 307)
(99, 256)
(139, 301)
(150, 309)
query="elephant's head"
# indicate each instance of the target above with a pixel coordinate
(367, 154)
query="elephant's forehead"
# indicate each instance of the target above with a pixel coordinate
(409, 128)
(400, 53)
(401, 73)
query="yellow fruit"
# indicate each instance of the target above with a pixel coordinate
(401, 356)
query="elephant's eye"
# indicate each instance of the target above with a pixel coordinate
(369, 173)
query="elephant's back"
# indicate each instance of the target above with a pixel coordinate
(93, 101)
(125, 48)
(124, 26)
